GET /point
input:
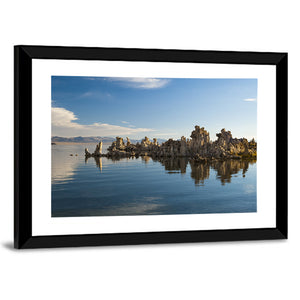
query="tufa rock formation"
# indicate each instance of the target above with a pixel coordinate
(97, 152)
(198, 148)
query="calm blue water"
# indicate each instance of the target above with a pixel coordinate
(142, 186)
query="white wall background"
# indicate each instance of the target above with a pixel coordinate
(240, 270)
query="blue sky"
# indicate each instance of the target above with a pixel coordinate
(153, 107)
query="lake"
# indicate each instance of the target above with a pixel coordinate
(146, 186)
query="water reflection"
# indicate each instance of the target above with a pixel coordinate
(174, 165)
(98, 161)
(145, 159)
(200, 171)
(63, 166)
(225, 169)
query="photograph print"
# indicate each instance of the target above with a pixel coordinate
(124, 146)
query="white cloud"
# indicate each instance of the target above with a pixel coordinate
(62, 117)
(64, 123)
(124, 122)
(140, 82)
(86, 94)
(250, 99)
(95, 94)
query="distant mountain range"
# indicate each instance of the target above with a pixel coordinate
(91, 139)
(82, 139)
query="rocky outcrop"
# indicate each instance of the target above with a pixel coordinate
(200, 139)
(96, 153)
(198, 148)
(183, 147)
(226, 146)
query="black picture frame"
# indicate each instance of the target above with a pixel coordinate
(23, 56)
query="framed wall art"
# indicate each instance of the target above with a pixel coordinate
(142, 146)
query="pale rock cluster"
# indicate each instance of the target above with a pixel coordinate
(96, 153)
(199, 147)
